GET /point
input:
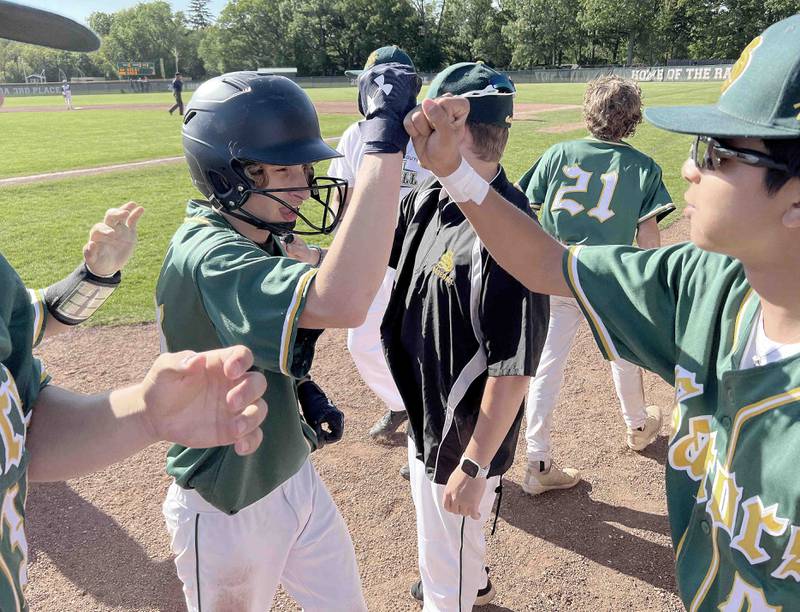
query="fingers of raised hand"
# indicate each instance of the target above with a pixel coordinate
(249, 442)
(236, 360)
(248, 389)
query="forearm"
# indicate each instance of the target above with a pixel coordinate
(501, 401)
(53, 326)
(73, 434)
(648, 235)
(518, 244)
(354, 265)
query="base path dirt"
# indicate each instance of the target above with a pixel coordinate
(99, 542)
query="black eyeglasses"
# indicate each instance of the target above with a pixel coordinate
(708, 154)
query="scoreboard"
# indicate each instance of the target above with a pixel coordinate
(135, 69)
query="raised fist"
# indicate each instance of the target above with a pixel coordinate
(386, 93)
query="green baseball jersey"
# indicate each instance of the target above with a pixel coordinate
(21, 378)
(732, 489)
(216, 289)
(595, 192)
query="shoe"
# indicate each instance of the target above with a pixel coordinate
(170, 112)
(538, 480)
(641, 438)
(388, 424)
(405, 472)
(485, 595)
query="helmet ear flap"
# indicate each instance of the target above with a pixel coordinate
(222, 189)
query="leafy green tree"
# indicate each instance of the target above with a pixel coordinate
(543, 32)
(476, 32)
(246, 36)
(619, 20)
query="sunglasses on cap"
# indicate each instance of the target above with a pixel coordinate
(708, 153)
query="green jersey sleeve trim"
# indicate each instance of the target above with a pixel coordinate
(659, 213)
(290, 323)
(599, 330)
(39, 315)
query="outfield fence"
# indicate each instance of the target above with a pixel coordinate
(699, 72)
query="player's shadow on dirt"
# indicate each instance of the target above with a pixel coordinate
(574, 521)
(658, 450)
(95, 554)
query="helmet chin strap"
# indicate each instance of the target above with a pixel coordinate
(278, 229)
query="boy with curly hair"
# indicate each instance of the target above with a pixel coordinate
(595, 190)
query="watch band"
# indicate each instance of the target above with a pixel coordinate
(472, 469)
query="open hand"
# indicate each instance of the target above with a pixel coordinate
(205, 399)
(437, 128)
(112, 241)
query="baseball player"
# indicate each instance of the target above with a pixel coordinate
(462, 339)
(240, 527)
(49, 433)
(67, 93)
(718, 317)
(596, 190)
(177, 93)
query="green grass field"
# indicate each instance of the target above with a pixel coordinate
(43, 226)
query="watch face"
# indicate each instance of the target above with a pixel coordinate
(470, 468)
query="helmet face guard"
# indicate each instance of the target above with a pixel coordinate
(322, 191)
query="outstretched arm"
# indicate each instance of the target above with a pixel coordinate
(195, 399)
(514, 240)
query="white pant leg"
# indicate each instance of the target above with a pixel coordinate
(565, 316)
(234, 563)
(321, 572)
(439, 543)
(364, 344)
(628, 383)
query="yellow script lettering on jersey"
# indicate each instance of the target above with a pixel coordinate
(10, 407)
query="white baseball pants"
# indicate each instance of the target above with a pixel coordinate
(447, 555)
(565, 316)
(294, 536)
(364, 344)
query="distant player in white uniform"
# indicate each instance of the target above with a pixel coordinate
(67, 93)
(364, 342)
(592, 191)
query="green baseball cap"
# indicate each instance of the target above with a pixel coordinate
(39, 27)
(384, 55)
(760, 98)
(490, 93)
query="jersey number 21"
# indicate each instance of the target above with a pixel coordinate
(602, 208)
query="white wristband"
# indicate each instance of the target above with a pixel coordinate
(465, 184)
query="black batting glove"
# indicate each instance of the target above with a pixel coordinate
(386, 94)
(318, 410)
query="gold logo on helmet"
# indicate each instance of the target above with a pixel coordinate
(742, 63)
(796, 107)
(444, 268)
(373, 57)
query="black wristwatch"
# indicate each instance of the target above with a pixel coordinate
(472, 469)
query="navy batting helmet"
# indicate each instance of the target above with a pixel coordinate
(245, 118)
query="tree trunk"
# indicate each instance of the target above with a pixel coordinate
(629, 60)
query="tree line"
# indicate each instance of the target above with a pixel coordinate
(327, 37)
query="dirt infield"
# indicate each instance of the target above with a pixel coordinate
(99, 543)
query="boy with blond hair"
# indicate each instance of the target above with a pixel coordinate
(595, 190)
